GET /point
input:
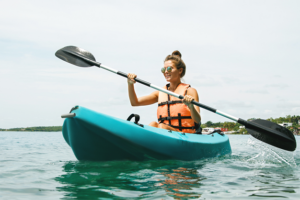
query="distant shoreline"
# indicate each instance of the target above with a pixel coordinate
(36, 129)
(59, 129)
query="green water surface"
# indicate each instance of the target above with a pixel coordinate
(40, 165)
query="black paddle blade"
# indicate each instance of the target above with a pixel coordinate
(272, 134)
(76, 56)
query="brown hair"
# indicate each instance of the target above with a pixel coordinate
(178, 62)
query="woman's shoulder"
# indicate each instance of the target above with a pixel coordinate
(188, 87)
(191, 90)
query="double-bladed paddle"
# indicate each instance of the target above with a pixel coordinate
(263, 130)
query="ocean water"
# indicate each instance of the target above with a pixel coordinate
(40, 165)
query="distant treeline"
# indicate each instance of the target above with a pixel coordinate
(291, 119)
(38, 128)
(232, 126)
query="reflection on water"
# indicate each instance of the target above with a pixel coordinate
(133, 180)
(249, 173)
(228, 177)
(180, 182)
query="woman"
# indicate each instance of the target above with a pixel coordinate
(172, 113)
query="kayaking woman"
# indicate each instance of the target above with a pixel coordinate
(172, 113)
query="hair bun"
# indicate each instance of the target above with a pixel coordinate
(176, 53)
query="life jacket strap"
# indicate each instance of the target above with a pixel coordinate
(169, 102)
(161, 119)
(181, 127)
(179, 117)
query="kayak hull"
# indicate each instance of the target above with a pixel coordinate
(99, 137)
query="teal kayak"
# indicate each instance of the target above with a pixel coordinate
(98, 137)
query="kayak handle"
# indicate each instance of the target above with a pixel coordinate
(136, 119)
(69, 115)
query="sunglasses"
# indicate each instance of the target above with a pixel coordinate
(169, 69)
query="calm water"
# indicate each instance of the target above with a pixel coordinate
(42, 166)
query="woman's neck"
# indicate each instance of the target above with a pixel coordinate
(174, 85)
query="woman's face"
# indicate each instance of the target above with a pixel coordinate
(174, 75)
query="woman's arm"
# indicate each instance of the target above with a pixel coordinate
(195, 110)
(142, 101)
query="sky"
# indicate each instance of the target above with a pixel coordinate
(243, 57)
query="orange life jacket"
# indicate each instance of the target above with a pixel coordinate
(175, 113)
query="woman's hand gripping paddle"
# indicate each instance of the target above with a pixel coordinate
(263, 130)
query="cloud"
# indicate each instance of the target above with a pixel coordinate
(256, 91)
(268, 111)
(205, 81)
(233, 104)
(296, 109)
(291, 103)
(217, 80)
(280, 86)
